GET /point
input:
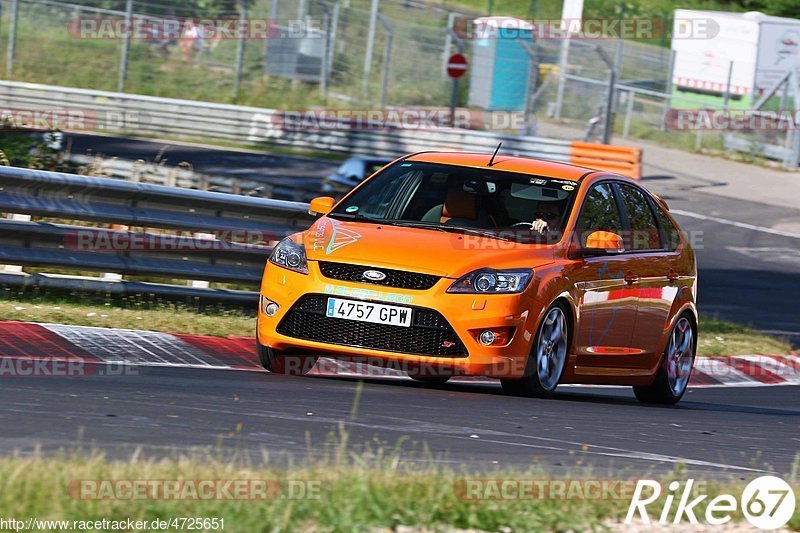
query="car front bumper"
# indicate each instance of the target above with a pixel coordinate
(467, 314)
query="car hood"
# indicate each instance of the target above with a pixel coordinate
(417, 249)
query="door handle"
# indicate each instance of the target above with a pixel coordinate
(631, 278)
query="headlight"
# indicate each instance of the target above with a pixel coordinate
(288, 254)
(492, 281)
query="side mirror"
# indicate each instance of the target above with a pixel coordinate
(602, 243)
(321, 205)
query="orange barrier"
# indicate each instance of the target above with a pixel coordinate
(622, 160)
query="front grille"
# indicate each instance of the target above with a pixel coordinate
(394, 278)
(429, 333)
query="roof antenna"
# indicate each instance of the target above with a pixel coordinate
(491, 161)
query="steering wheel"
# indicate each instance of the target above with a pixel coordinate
(529, 224)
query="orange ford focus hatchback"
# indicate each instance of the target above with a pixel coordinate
(460, 264)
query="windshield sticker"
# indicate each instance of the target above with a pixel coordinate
(568, 187)
(566, 182)
(341, 237)
(538, 181)
(319, 234)
(352, 209)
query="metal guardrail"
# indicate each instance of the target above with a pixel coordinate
(210, 236)
(150, 116)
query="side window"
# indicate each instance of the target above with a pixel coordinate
(599, 212)
(670, 235)
(644, 229)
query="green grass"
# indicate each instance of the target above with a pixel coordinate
(717, 337)
(720, 337)
(144, 312)
(374, 492)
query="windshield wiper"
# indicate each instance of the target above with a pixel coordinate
(354, 216)
(415, 224)
(481, 232)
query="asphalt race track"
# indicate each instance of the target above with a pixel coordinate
(726, 431)
(208, 160)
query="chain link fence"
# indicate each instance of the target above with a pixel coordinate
(645, 101)
(357, 54)
(295, 53)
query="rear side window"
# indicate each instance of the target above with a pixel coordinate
(599, 212)
(670, 235)
(643, 234)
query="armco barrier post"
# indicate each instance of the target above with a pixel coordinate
(239, 53)
(126, 46)
(387, 61)
(12, 38)
(373, 21)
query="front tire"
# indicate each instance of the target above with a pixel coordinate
(547, 359)
(676, 366)
(290, 365)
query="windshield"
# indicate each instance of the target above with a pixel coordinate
(505, 205)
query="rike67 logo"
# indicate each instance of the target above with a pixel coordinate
(767, 502)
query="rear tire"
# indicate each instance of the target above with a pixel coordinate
(673, 375)
(547, 359)
(290, 365)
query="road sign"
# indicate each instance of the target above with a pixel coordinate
(456, 66)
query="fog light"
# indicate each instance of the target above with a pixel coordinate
(269, 307)
(487, 337)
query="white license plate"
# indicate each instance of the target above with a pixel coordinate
(392, 315)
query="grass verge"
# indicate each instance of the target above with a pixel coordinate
(125, 313)
(378, 493)
(717, 337)
(720, 337)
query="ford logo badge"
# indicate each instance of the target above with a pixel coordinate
(373, 275)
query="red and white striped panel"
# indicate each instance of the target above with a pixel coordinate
(709, 85)
(57, 342)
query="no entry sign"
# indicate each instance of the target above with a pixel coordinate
(456, 66)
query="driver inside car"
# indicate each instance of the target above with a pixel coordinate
(548, 215)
